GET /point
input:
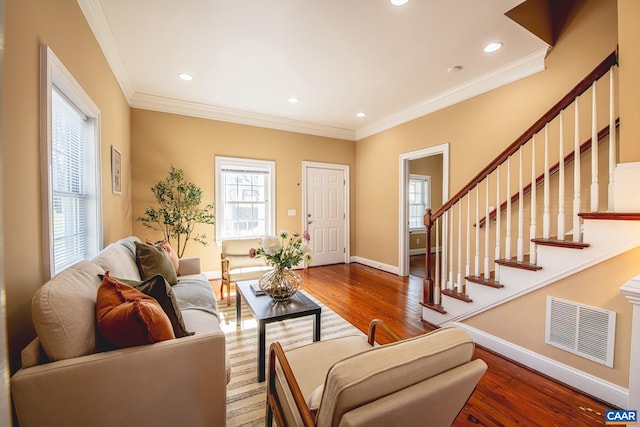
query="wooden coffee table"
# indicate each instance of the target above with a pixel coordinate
(265, 310)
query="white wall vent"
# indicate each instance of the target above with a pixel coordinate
(580, 329)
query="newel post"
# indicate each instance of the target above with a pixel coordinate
(428, 286)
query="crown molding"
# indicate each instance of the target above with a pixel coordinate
(94, 15)
(195, 109)
(524, 67)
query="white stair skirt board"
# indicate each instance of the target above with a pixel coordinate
(626, 197)
(587, 383)
(607, 238)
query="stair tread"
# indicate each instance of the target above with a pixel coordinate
(622, 216)
(554, 241)
(434, 307)
(524, 264)
(491, 281)
(457, 295)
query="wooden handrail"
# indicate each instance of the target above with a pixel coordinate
(603, 133)
(578, 90)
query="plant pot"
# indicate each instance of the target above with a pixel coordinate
(280, 284)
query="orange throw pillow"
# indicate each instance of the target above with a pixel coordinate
(126, 317)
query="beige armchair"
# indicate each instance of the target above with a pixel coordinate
(237, 265)
(346, 381)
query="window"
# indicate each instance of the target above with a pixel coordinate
(419, 199)
(70, 157)
(245, 202)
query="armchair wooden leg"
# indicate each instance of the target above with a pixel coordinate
(229, 293)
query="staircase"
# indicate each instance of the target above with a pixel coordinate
(541, 211)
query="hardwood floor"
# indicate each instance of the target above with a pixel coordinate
(507, 395)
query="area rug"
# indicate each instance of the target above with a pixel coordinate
(245, 396)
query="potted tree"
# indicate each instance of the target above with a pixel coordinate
(178, 211)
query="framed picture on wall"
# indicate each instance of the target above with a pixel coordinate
(116, 170)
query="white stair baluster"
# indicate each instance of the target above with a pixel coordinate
(496, 266)
(451, 284)
(437, 290)
(445, 251)
(507, 238)
(576, 176)
(595, 187)
(467, 270)
(459, 277)
(545, 215)
(561, 182)
(520, 241)
(487, 231)
(532, 224)
(476, 260)
(612, 142)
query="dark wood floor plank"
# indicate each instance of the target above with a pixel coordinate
(507, 395)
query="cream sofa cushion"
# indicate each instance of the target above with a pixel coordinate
(119, 260)
(381, 371)
(64, 312)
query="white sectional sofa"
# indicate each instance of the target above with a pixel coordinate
(66, 380)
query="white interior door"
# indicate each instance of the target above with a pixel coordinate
(326, 213)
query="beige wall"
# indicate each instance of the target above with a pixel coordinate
(629, 58)
(477, 129)
(61, 25)
(160, 140)
(522, 321)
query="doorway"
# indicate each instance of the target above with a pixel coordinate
(325, 211)
(434, 163)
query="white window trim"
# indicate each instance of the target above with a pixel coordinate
(426, 178)
(271, 194)
(54, 73)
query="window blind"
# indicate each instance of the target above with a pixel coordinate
(70, 183)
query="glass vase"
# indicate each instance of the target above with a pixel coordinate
(280, 284)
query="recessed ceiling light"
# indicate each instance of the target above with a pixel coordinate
(399, 2)
(361, 114)
(454, 69)
(293, 100)
(492, 47)
(185, 76)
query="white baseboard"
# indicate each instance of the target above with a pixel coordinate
(423, 251)
(213, 275)
(587, 383)
(375, 264)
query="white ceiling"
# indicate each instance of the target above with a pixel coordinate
(339, 57)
